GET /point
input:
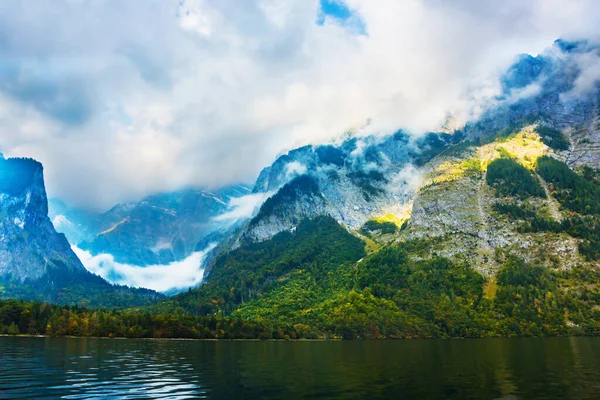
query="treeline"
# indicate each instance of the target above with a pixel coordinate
(510, 178)
(383, 227)
(586, 228)
(386, 295)
(389, 296)
(582, 227)
(33, 318)
(552, 138)
(312, 285)
(437, 298)
(77, 286)
(247, 272)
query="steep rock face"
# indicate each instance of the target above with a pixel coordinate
(548, 88)
(29, 245)
(453, 214)
(584, 139)
(298, 199)
(351, 182)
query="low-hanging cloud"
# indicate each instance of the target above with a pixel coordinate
(173, 277)
(589, 77)
(244, 207)
(119, 99)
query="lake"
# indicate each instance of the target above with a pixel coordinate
(84, 368)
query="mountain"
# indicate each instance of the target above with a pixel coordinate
(352, 182)
(492, 230)
(157, 230)
(36, 262)
(76, 224)
(366, 177)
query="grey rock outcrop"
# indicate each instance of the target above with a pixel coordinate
(29, 245)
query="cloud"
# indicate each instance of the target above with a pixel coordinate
(293, 169)
(409, 176)
(119, 99)
(589, 77)
(173, 277)
(525, 92)
(243, 207)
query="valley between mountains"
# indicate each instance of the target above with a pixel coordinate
(489, 230)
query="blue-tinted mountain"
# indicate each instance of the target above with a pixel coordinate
(36, 262)
(159, 229)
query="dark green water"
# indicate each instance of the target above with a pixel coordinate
(557, 368)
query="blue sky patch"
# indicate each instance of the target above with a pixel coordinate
(338, 10)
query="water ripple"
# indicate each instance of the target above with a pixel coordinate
(563, 368)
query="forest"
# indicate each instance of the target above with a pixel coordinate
(510, 178)
(64, 286)
(389, 296)
(317, 282)
(572, 190)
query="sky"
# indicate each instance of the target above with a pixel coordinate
(119, 99)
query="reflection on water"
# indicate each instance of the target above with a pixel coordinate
(558, 368)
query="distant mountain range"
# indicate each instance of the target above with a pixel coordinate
(159, 229)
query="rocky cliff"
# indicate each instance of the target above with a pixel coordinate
(352, 182)
(363, 178)
(36, 262)
(29, 245)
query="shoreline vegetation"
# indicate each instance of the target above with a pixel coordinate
(24, 335)
(439, 300)
(334, 339)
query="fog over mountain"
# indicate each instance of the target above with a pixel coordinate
(119, 100)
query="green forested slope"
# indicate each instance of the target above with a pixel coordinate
(255, 269)
(386, 296)
(317, 282)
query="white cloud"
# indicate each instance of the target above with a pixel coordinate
(243, 207)
(119, 99)
(525, 92)
(176, 276)
(589, 78)
(409, 176)
(294, 168)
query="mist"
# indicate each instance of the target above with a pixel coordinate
(174, 277)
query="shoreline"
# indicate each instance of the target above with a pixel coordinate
(23, 335)
(291, 340)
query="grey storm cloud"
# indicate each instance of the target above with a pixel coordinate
(119, 99)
